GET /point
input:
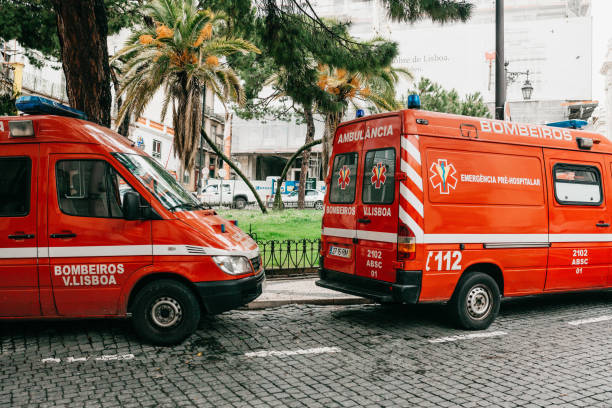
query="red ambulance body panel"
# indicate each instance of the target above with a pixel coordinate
(467, 210)
(69, 249)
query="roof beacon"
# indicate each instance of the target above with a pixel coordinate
(36, 105)
(414, 101)
(571, 124)
(360, 113)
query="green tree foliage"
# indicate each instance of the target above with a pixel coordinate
(33, 24)
(180, 55)
(437, 99)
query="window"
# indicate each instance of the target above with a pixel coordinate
(379, 177)
(344, 176)
(577, 185)
(90, 188)
(156, 149)
(14, 186)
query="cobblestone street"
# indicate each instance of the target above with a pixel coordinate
(547, 351)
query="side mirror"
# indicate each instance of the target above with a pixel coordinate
(131, 206)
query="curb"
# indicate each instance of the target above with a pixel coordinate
(265, 304)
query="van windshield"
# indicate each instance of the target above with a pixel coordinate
(159, 182)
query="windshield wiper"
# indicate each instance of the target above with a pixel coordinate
(189, 206)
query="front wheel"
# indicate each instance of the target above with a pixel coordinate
(318, 205)
(476, 300)
(165, 312)
(240, 203)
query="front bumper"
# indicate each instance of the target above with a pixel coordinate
(221, 296)
(406, 289)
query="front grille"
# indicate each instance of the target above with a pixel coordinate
(256, 262)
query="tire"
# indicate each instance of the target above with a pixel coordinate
(165, 312)
(318, 205)
(240, 203)
(476, 300)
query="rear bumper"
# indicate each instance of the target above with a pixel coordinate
(222, 296)
(406, 290)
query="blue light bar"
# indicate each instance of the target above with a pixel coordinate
(36, 105)
(414, 101)
(571, 124)
(360, 113)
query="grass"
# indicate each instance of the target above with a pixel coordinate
(279, 225)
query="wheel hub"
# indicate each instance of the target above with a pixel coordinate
(166, 312)
(479, 302)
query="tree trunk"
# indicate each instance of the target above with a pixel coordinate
(310, 131)
(124, 127)
(278, 203)
(82, 30)
(262, 207)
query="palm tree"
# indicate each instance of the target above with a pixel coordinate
(182, 54)
(376, 89)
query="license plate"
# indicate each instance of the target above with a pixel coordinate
(339, 251)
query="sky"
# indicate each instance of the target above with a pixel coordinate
(601, 10)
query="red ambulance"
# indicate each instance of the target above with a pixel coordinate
(431, 207)
(90, 226)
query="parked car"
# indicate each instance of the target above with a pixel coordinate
(312, 199)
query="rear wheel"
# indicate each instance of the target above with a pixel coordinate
(240, 203)
(476, 300)
(165, 312)
(318, 205)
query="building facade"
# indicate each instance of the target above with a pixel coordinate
(551, 39)
(606, 71)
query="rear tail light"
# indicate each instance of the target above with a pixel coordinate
(406, 243)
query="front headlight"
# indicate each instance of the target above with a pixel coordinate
(234, 265)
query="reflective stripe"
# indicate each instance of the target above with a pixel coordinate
(580, 237)
(377, 236)
(339, 232)
(412, 224)
(484, 238)
(119, 250)
(505, 240)
(111, 250)
(412, 174)
(15, 253)
(360, 234)
(412, 199)
(411, 149)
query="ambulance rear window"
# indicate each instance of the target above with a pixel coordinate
(577, 185)
(378, 177)
(343, 179)
(14, 186)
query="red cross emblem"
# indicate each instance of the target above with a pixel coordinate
(344, 179)
(378, 175)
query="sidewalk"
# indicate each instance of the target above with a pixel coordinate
(280, 292)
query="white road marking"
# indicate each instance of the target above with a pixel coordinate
(50, 360)
(590, 320)
(318, 350)
(109, 357)
(468, 336)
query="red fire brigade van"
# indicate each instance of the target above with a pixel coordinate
(90, 226)
(430, 207)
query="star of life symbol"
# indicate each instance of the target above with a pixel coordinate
(344, 179)
(443, 176)
(378, 175)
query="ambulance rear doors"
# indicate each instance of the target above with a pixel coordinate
(361, 213)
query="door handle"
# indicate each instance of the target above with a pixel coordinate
(364, 220)
(21, 236)
(64, 235)
(602, 224)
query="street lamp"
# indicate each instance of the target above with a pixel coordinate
(511, 76)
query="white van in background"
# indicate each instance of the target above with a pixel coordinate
(233, 192)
